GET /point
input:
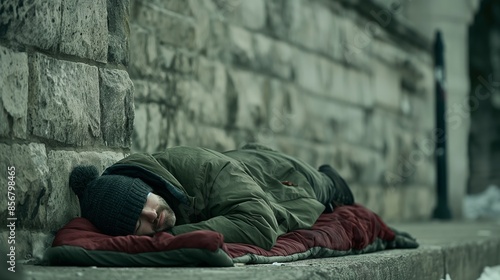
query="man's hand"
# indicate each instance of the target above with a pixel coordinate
(402, 240)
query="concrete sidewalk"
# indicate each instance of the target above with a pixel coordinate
(460, 249)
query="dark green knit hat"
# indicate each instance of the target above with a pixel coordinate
(113, 203)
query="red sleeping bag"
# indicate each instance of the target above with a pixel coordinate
(348, 230)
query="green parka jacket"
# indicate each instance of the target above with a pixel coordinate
(251, 196)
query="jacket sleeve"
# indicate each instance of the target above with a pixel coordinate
(239, 209)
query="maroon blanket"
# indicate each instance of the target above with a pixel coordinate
(348, 230)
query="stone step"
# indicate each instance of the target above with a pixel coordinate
(459, 249)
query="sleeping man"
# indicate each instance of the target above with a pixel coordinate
(251, 195)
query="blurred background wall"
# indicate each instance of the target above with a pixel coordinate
(345, 82)
(453, 18)
(321, 80)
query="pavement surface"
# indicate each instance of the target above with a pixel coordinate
(459, 249)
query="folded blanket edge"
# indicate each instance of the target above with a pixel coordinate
(67, 255)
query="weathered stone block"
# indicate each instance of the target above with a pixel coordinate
(328, 39)
(392, 203)
(14, 92)
(337, 87)
(84, 30)
(378, 126)
(386, 87)
(181, 130)
(151, 48)
(241, 48)
(282, 55)
(184, 132)
(370, 196)
(264, 137)
(156, 128)
(62, 204)
(171, 28)
(468, 260)
(44, 202)
(166, 57)
(297, 148)
(139, 141)
(422, 111)
(185, 63)
(223, 8)
(201, 105)
(142, 51)
(422, 157)
(201, 15)
(215, 138)
(403, 158)
(250, 111)
(327, 153)
(325, 71)
(324, 128)
(291, 96)
(350, 85)
(158, 92)
(332, 121)
(419, 202)
(178, 6)
(211, 89)
(36, 23)
(363, 85)
(366, 166)
(283, 17)
(251, 14)
(263, 47)
(141, 90)
(30, 245)
(4, 121)
(356, 44)
(118, 31)
(353, 124)
(286, 115)
(117, 107)
(410, 156)
(31, 184)
(424, 101)
(307, 71)
(64, 101)
(218, 42)
(303, 28)
(212, 75)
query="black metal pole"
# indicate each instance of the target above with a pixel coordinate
(442, 210)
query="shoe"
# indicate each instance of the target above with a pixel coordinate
(342, 194)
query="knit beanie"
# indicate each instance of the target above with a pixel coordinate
(113, 203)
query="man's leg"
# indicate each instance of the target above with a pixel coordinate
(342, 193)
(330, 188)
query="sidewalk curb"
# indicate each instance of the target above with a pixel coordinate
(461, 250)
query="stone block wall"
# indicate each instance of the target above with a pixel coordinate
(328, 81)
(65, 99)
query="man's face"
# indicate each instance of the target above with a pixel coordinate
(156, 216)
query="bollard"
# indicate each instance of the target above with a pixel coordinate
(442, 211)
